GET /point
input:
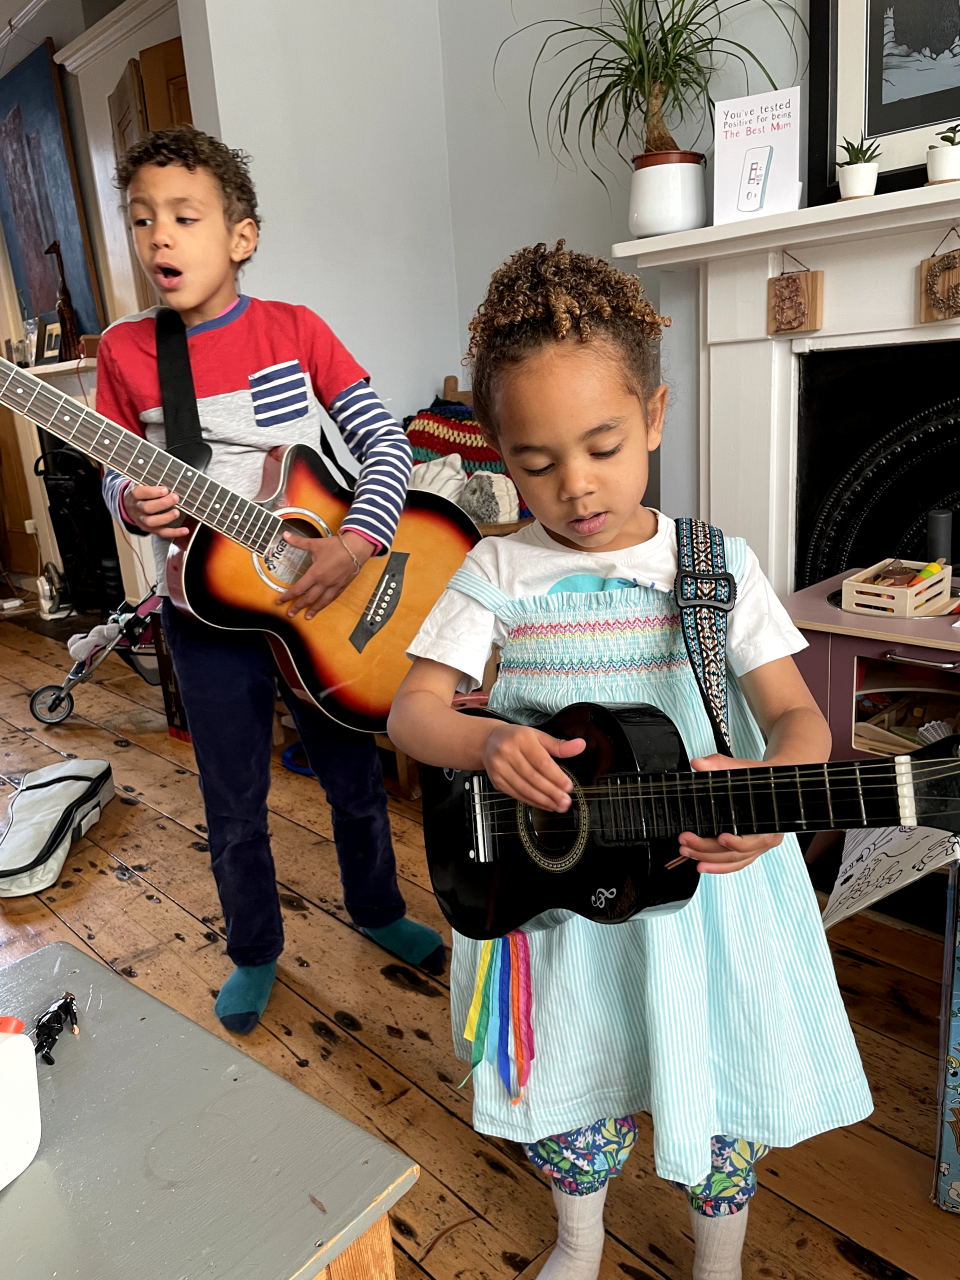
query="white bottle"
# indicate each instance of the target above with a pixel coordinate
(19, 1100)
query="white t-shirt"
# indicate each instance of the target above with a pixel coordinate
(461, 633)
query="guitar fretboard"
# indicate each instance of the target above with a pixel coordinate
(822, 797)
(239, 518)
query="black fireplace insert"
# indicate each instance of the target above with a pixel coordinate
(878, 447)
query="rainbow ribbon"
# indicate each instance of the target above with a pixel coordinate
(503, 1001)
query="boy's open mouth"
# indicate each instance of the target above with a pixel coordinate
(167, 276)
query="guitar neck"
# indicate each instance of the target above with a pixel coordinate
(807, 797)
(213, 504)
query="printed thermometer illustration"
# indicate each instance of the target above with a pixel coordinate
(753, 180)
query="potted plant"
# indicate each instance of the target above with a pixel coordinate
(943, 163)
(857, 174)
(641, 64)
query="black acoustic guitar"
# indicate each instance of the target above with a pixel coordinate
(496, 863)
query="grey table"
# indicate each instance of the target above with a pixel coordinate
(168, 1155)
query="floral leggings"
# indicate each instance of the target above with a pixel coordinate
(582, 1160)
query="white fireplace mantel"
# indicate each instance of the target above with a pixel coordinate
(870, 252)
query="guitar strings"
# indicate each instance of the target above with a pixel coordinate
(683, 789)
(657, 831)
(631, 784)
(789, 772)
(45, 403)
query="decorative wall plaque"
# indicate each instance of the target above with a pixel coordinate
(795, 300)
(940, 287)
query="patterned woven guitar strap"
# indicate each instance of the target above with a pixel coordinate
(705, 593)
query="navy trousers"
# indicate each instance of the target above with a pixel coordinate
(228, 683)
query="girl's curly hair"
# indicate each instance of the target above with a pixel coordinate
(542, 296)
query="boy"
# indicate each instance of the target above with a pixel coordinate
(262, 371)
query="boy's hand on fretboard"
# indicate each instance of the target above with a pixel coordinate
(153, 509)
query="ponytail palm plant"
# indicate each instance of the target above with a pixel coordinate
(643, 63)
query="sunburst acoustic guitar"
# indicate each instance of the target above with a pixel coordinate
(231, 568)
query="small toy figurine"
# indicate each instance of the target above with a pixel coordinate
(50, 1025)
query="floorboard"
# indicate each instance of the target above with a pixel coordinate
(371, 1036)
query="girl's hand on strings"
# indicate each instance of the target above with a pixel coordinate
(727, 852)
(520, 761)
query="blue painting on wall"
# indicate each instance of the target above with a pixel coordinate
(38, 196)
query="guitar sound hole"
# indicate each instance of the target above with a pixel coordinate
(554, 841)
(554, 834)
(282, 564)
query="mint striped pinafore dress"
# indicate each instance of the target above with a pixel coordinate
(720, 1015)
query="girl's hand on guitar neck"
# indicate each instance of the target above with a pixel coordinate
(334, 568)
(796, 733)
(727, 852)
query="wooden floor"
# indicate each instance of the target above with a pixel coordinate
(371, 1037)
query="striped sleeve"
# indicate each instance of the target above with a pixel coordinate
(385, 458)
(112, 487)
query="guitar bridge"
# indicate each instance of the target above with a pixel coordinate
(383, 602)
(481, 849)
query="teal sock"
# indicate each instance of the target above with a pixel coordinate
(416, 943)
(244, 995)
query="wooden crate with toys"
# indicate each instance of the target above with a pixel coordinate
(899, 589)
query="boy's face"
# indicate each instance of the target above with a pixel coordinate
(183, 240)
(576, 441)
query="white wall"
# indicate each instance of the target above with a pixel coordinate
(341, 107)
(757, 27)
(504, 194)
(395, 175)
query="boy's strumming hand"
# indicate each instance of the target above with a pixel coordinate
(153, 509)
(727, 852)
(520, 761)
(333, 568)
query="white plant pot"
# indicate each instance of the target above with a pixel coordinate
(667, 193)
(857, 180)
(943, 164)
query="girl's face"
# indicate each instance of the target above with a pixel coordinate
(576, 441)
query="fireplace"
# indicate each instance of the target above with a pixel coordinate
(778, 422)
(878, 446)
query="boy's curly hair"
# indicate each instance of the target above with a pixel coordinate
(541, 296)
(182, 144)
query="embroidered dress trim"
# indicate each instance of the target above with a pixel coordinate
(600, 627)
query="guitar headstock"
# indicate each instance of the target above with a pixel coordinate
(936, 784)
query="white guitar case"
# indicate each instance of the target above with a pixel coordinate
(52, 807)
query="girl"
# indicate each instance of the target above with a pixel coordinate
(721, 1015)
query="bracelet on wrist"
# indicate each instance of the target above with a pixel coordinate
(357, 566)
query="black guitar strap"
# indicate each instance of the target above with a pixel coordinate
(705, 593)
(181, 419)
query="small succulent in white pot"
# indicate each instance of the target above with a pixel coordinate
(943, 163)
(857, 174)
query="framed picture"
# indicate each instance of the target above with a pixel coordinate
(889, 69)
(48, 338)
(39, 195)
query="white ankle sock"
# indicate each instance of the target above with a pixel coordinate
(579, 1236)
(719, 1244)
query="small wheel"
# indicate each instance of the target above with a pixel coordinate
(50, 704)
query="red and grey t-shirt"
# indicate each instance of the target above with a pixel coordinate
(263, 373)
